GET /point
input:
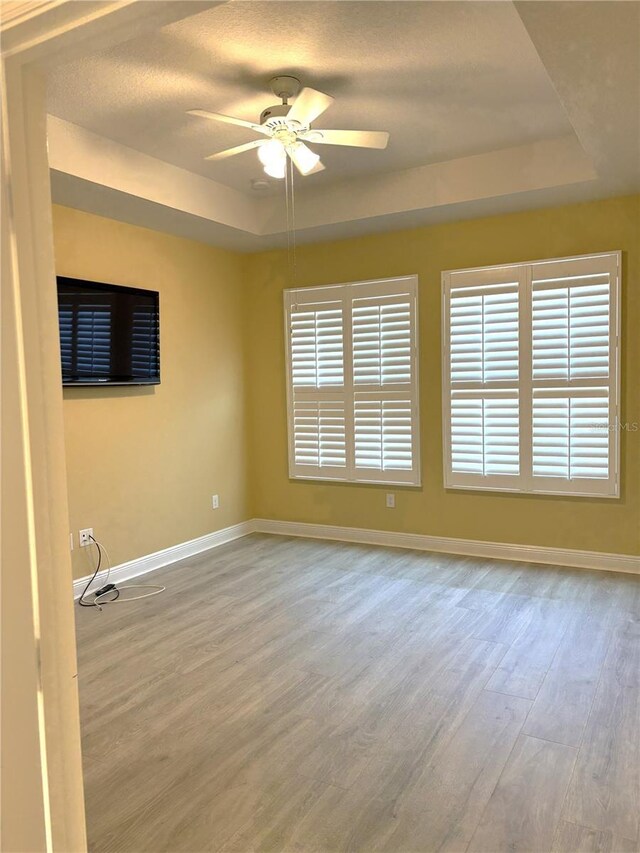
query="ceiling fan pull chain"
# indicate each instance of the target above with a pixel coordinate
(293, 223)
(286, 196)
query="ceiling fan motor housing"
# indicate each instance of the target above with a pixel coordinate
(275, 112)
(275, 117)
(281, 128)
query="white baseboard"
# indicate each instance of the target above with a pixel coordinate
(464, 547)
(415, 541)
(161, 559)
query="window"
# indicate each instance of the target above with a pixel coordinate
(530, 377)
(352, 382)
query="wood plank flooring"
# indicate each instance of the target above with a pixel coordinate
(293, 695)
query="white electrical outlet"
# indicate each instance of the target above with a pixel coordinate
(215, 501)
(85, 537)
(391, 500)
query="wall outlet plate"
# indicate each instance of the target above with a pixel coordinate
(84, 537)
(391, 500)
(215, 501)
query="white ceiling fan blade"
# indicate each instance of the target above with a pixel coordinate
(238, 149)
(319, 167)
(227, 120)
(306, 161)
(308, 105)
(357, 138)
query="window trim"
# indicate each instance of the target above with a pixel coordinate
(384, 287)
(526, 483)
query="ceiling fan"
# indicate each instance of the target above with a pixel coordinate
(288, 127)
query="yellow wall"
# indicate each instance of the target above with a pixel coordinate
(598, 525)
(143, 463)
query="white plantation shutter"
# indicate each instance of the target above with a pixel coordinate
(383, 435)
(317, 358)
(352, 381)
(385, 415)
(570, 434)
(317, 409)
(484, 333)
(530, 376)
(574, 318)
(571, 327)
(382, 340)
(485, 437)
(319, 434)
(482, 377)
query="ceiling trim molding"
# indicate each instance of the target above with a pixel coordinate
(14, 13)
(523, 168)
(97, 161)
(51, 32)
(101, 176)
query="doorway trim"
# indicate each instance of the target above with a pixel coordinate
(43, 799)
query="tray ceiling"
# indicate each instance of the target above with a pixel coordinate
(491, 106)
(447, 80)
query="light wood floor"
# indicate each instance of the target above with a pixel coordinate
(292, 695)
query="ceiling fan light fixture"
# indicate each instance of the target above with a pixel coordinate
(276, 170)
(274, 158)
(306, 159)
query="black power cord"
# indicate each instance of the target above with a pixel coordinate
(107, 587)
(110, 587)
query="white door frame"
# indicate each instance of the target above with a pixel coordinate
(42, 793)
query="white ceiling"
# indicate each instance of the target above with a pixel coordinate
(490, 106)
(446, 79)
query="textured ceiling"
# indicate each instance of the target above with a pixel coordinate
(446, 79)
